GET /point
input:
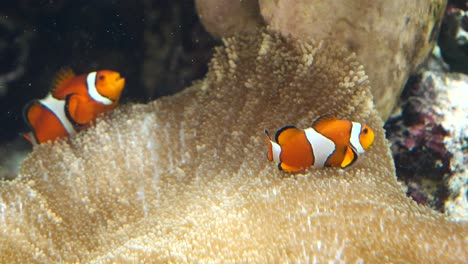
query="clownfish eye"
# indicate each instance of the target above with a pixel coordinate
(365, 130)
(101, 77)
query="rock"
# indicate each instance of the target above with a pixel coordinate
(429, 144)
(224, 18)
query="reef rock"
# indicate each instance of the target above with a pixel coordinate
(392, 38)
(429, 140)
(452, 89)
(226, 18)
(185, 178)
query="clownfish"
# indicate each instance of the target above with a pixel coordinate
(72, 104)
(328, 142)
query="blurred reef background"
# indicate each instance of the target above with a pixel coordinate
(161, 47)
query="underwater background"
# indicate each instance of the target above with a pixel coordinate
(160, 47)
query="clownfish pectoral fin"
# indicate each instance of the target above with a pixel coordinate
(322, 120)
(78, 110)
(286, 133)
(30, 137)
(31, 112)
(287, 168)
(349, 158)
(63, 75)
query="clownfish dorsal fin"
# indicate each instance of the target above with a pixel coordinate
(322, 120)
(62, 76)
(285, 133)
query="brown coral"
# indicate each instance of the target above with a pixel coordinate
(185, 178)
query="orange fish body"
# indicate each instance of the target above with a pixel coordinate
(328, 142)
(72, 104)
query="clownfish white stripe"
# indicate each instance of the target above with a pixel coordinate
(276, 148)
(57, 107)
(93, 92)
(322, 147)
(354, 138)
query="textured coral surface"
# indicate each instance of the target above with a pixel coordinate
(392, 38)
(185, 178)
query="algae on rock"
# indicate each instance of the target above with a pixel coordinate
(185, 178)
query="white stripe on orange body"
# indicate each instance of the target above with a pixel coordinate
(93, 92)
(318, 141)
(328, 142)
(56, 107)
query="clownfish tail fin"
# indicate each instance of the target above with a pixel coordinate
(270, 146)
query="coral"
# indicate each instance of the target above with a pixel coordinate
(185, 178)
(392, 38)
(428, 136)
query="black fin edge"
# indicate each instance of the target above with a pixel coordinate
(281, 130)
(324, 116)
(354, 159)
(25, 117)
(279, 166)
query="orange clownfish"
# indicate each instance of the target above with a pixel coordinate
(328, 142)
(72, 104)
